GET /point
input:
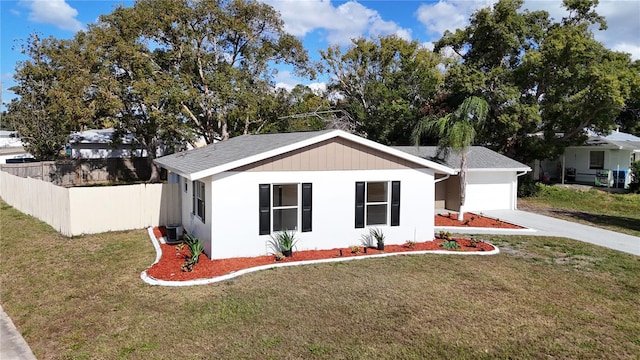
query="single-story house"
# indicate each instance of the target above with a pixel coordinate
(492, 178)
(603, 160)
(329, 186)
(97, 144)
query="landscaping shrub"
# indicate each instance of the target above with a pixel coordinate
(634, 185)
(528, 187)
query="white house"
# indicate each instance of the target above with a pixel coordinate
(329, 186)
(492, 179)
(11, 148)
(602, 160)
(96, 144)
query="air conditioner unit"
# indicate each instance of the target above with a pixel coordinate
(174, 233)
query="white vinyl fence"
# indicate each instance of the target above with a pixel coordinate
(90, 210)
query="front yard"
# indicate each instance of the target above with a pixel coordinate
(82, 298)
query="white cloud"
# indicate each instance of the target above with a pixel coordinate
(449, 14)
(339, 24)
(54, 12)
(621, 15)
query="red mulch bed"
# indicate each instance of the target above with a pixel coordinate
(472, 220)
(168, 268)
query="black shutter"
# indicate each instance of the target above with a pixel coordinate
(359, 204)
(265, 209)
(306, 207)
(193, 197)
(395, 203)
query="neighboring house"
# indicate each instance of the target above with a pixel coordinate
(97, 144)
(11, 148)
(601, 160)
(492, 179)
(329, 186)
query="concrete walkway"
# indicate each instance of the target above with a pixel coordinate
(12, 345)
(548, 226)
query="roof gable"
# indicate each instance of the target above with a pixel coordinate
(248, 149)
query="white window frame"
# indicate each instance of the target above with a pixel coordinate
(274, 208)
(199, 191)
(385, 202)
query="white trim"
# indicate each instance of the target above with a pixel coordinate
(315, 140)
(527, 169)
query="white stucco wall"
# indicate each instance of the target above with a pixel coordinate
(233, 209)
(192, 223)
(491, 191)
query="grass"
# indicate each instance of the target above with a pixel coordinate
(617, 212)
(82, 298)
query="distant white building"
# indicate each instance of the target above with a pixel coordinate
(97, 144)
(11, 148)
(603, 160)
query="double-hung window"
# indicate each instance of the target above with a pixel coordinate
(284, 207)
(198, 199)
(377, 203)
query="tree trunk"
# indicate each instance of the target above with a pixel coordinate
(463, 183)
(155, 172)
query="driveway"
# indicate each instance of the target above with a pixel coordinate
(548, 226)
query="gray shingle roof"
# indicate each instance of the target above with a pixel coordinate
(224, 152)
(478, 157)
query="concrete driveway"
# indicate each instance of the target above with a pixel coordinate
(548, 226)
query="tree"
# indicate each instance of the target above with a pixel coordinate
(539, 78)
(384, 84)
(222, 53)
(52, 87)
(456, 131)
(131, 87)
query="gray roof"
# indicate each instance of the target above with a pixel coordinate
(235, 152)
(478, 157)
(236, 148)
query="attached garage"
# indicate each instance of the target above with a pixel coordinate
(492, 179)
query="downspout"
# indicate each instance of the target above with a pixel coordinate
(441, 179)
(515, 198)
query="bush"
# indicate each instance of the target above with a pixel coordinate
(528, 187)
(634, 185)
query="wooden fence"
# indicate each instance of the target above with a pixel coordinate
(83, 171)
(90, 210)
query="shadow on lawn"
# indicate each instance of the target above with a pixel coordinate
(618, 221)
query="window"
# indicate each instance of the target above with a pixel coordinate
(198, 199)
(280, 207)
(285, 207)
(373, 204)
(186, 186)
(596, 160)
(376, 203)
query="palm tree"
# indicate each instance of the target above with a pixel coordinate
(456, 132)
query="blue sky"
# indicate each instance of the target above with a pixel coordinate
(318, 23)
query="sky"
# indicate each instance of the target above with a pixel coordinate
(317, 23)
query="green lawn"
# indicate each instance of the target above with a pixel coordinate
(82, 298)
(618, 212)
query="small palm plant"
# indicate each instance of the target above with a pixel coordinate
(284, 241)
(378, 235)
(196, 247)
